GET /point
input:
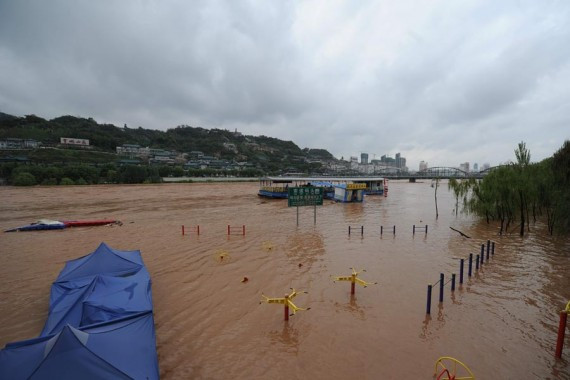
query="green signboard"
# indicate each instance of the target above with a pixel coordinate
(305, 196)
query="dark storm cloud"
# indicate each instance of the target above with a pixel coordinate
(440, 81)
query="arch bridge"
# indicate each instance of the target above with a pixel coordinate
(442, 172)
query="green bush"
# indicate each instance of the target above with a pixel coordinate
(49, 181)
(66, 181)
(24, 179)
(81, 181)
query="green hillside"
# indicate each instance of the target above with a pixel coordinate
(270, 155)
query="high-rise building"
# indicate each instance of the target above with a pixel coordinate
(423, 165)
(464, 166)
(475, 167)
(364, 158)
(400, 161)
(353, 159)
(486, 166)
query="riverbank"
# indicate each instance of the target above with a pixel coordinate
(209, 179)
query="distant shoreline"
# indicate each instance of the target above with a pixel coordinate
(209, 179)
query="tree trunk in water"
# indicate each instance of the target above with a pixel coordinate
(522, 212)
(502, 223)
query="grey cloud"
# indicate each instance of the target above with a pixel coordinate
(447, 82)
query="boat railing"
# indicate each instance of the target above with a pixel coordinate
(274, 189)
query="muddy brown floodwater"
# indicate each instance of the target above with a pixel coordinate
(209, 325)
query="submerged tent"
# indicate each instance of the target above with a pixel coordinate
(100, 324)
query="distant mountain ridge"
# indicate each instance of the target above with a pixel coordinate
(269, 153)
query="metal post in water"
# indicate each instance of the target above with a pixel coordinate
(414, 230)
(428, 307)
(461, 263)
(286, 314)
(493, 248)
(361, 230)
(243, 226)
(349, 230)
(482, 253)
(394, 230)
(470, 264)
(381, 230)
(297, 216)
(182, 230)
(488, 248)
(198, 229)
(353, 284)
(228, 229)
(441, 280)
(477, 262)
(453, 282)
(561, 332)
(426, 228)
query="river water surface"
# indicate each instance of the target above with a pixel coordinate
(210, 325)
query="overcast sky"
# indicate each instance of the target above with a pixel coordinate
(440, 81)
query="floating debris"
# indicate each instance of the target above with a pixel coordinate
(268, 246)
(222, 256)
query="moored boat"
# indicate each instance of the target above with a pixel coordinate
(277, 187)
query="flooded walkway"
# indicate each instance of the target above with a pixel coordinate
(502, 322)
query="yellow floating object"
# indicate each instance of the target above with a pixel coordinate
(567, 307)
(221, 256)
(285, 301)
(267, 246)
(448, 368)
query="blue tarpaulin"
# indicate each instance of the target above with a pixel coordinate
(100, 324)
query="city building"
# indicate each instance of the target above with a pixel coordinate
(364, 158)
(14, 143)
(486, 166)
(475, 167)
(423, 165)
(464, 166)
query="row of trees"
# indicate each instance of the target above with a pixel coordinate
(81, 174)
(521, 192)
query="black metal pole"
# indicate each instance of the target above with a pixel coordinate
(441, 282)
(414, 230)
(426, 228)
(493, 248)
(470, 264)
(453, 282)
(349, 230)
(428, 307)
(461, 264)
(477, 262)
(482, 256)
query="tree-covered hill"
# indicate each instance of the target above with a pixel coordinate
(267, 153)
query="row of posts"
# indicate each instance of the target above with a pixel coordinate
(414, 228)
(231, 230)
(479, 259)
